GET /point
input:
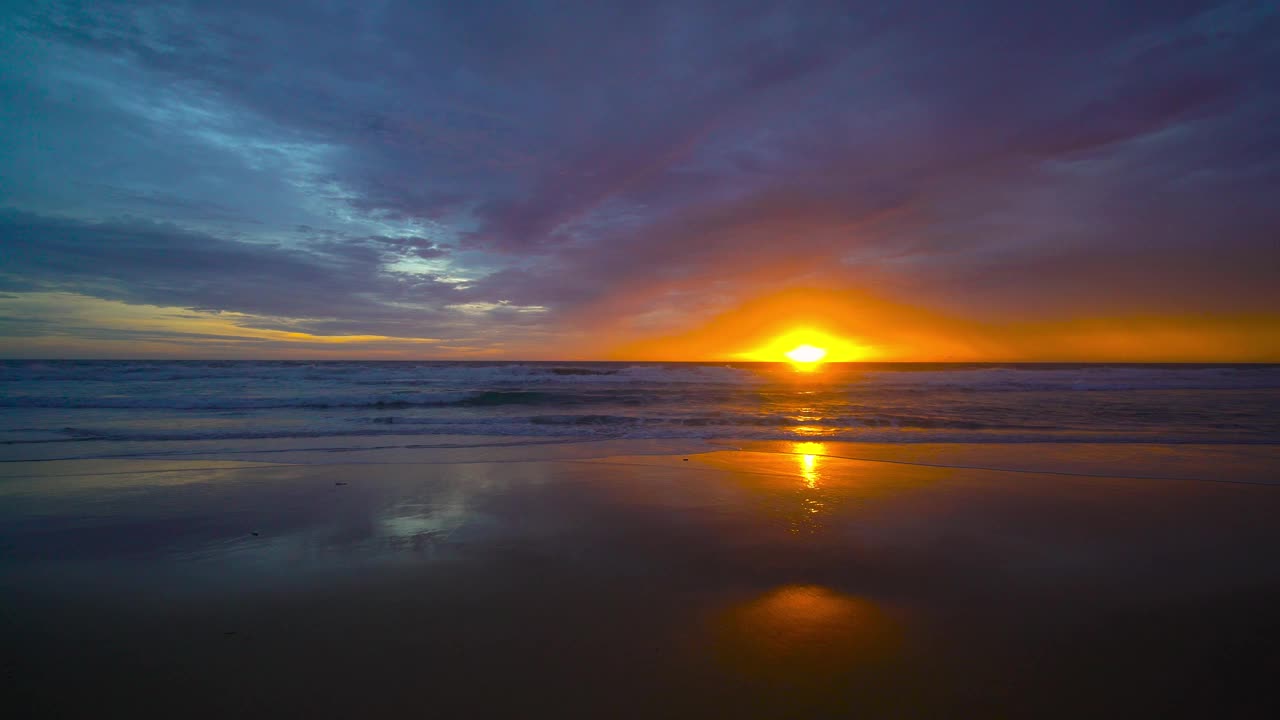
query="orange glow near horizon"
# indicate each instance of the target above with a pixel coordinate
(806, 358)
(777, 328)
(805, 348)
(855, 326)
(851, 325)
(806, 354)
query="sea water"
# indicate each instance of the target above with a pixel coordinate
(78, 408)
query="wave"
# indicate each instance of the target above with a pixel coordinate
(1085, 378)
(98, 444)
(832, 424)
(372, 373)
(158, 401)
(472, 375)
(388, 401)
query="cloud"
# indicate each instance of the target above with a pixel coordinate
(416, 246)
(371, 168)
(338, 288)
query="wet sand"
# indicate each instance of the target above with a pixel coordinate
(776, 580)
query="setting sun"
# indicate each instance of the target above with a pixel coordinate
(807, 348)
(806, 354)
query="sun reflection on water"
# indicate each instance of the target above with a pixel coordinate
(812, 430)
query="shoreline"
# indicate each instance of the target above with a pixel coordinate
(1211, 462)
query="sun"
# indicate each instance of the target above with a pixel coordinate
(807, 348)
(806, 354)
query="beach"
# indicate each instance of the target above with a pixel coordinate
(643, 578)
(653, 360)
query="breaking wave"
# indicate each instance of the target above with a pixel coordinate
(120, 401)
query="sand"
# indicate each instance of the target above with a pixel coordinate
(774, 580)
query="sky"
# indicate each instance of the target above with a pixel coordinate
(986, 180)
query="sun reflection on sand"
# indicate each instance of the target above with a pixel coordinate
(809, 455)
(809, 470)
(805, 631)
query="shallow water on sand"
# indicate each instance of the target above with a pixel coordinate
(749, 583)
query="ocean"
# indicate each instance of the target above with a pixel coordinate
(79, 409)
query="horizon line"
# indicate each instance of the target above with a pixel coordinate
(668, 362)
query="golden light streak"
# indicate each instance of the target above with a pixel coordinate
(155, 327)
(809, 470)
(809, 453)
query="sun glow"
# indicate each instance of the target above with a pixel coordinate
(806, 354)
(807, 349)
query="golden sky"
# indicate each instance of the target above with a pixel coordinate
(855, 326)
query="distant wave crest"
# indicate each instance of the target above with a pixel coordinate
(101, 401)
